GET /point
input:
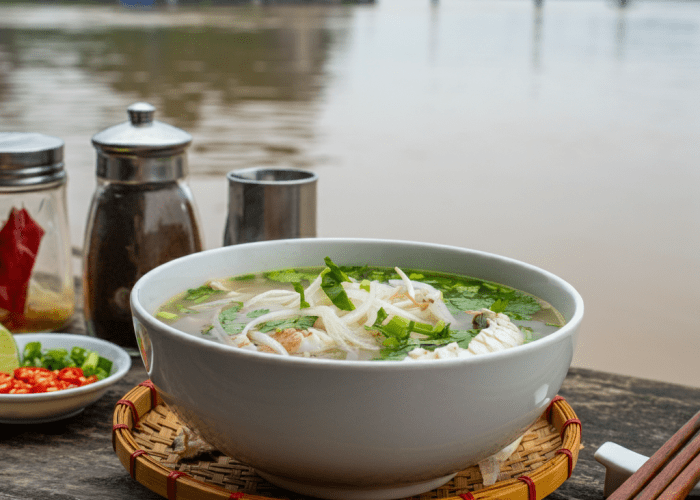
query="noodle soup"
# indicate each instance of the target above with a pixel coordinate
(361, 313)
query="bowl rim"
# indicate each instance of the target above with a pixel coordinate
(122, 360)
(140, 312)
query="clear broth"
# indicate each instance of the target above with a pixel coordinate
(188, 311)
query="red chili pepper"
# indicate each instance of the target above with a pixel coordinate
(6, 382)
(32, 374)
(72, 375)
(20, 387)
(19, 244)
(51, 386)
(35, 379)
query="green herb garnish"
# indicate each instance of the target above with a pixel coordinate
(499, 306)
(56, 359)
(291, 276)
(200, 294)
(167, 315)
(257, 313)
(245, 277)
(229, 319)
(303, 304)
(331, 283)
(398, 340)
(297, 322)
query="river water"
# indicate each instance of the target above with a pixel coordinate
(564, 134)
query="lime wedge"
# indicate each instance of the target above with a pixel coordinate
(9, 353)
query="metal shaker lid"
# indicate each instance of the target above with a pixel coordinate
(141, 149)
(30, 159)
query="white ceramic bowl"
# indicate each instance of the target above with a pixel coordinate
(48, 407)
(353, 429)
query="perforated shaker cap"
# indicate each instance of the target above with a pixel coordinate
(30, 159)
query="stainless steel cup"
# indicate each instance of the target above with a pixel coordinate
(270, 204)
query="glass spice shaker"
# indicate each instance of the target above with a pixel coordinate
(142, 215)
(36, 279)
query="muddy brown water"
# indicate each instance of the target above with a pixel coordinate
(563, 134)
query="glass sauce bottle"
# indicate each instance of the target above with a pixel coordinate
(36, 279)
(142, 215)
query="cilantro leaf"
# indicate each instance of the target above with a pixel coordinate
(297, 322)
(461, 304)
(499, 306)
(230, 313)
(229, 319)
(202, 293)
(523, 308)
(291, 276)
(257, 313)
(245, 277)
(233, 328)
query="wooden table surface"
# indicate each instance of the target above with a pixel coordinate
(73, 458)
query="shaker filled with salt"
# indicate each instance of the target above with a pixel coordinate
(142, 215)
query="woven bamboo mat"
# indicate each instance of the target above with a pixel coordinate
(543, 461)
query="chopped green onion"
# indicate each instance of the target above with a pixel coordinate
(331, 283)
(303, 304)
(167, 315)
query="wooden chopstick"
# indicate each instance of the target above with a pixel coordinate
(683, 484)
(670, 472)
(656, 463)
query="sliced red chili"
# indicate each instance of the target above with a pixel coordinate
(20, 387)
(35, 379)
(31, 374)
(51, 386)
(72, 375)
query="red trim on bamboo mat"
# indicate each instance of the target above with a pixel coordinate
(134, 413)
(132, 461)
(172, 488)
(467, 496)
(531, 490)
(154, 392)
(237, 494)
(571, 459)
(548, 412)
(569, 422)
(115, 427)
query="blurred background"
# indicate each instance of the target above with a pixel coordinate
(564, 133)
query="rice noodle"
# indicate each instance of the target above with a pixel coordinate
(342, 329)
(407, 283)
(214, 303)
(282, 297)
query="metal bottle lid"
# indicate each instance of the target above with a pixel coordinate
(141, 149)
(30, 159)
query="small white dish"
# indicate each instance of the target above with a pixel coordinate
(48, 407)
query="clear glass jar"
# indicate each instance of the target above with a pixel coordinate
(142, 215)
(36, 280)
